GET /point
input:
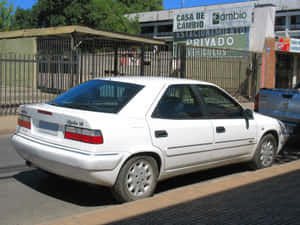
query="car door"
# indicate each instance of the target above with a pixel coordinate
(235, 135)
(179, 130)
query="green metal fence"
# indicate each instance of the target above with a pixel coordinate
(39, 78)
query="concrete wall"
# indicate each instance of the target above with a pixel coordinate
(270, 57)
(20, 45)
(262, 27)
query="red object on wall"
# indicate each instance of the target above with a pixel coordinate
(283, 44)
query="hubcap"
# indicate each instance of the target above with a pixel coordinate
(139, 178)
(267, 153)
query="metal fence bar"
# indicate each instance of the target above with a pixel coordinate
(39, 78)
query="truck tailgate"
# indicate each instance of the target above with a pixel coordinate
(283, 104)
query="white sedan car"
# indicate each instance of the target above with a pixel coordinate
(128, 133)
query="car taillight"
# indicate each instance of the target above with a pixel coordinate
(256, 102)
(83, 135)
(24, 121)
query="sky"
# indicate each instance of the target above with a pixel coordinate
(168, 4)
(173, 4)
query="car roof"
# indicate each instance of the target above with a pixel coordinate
(149, 81)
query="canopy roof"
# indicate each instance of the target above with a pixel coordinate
(78, 31)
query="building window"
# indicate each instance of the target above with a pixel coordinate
(280, 21)
(165, 29)
(147, 30)
(295, 19)
(295, 23)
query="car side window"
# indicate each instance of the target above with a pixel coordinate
(178, 102)
(218, 104)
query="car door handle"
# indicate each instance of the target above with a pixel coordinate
(161, 133)
(220, 129)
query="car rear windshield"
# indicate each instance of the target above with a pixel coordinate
(98, 95)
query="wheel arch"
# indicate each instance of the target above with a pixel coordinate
(275, 135)
(152, 154)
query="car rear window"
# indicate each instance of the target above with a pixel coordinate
(98, 95)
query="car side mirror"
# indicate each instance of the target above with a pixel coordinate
(248, 114)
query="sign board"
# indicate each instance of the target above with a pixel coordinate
(283, 44)
(295, 45)
(203, 19)
(226, 28)
(235, 38)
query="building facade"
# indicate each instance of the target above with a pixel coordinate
(269, 27)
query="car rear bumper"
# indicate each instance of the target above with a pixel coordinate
(99, 169)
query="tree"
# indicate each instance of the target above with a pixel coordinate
(49, 13)
(6, 16)
(22, 19)
(141, 5)
(109, 15)
(99, 14)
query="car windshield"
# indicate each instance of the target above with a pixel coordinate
(98, 95)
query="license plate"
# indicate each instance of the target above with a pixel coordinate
(48, 126)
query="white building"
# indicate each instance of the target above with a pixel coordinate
(243, 25)
(159, 24)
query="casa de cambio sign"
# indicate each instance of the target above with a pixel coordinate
(191, 19)
(216, 28)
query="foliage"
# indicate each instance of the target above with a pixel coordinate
(141, 5)
(6, 16)
(98, 14)
(111, 17)
(22, 19)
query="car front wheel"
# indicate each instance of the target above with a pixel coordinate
(265, 152)
(137, 179)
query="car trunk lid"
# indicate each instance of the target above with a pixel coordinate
(51, 123)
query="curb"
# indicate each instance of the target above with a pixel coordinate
(174, 197)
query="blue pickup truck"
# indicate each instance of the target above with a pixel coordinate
(283, 104)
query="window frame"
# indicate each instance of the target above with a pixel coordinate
(223, 93)
(194, 95)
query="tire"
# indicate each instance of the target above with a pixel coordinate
(265, 152)
(137, 179)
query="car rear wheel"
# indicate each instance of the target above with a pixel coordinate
(137, 179)
(265, 152)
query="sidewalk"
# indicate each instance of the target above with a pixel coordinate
(216, 200)
(8, 124)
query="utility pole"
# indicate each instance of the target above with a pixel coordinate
(182, 4)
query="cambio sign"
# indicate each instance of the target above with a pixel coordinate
(222, 28)
(192, 19)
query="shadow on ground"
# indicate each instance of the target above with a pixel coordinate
(67, 190)
(272, 201)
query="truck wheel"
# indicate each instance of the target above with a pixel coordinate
(265, 152)
(137, 179)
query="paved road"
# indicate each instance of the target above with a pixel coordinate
(29, 196)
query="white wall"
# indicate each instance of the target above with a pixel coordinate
(262, 27)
